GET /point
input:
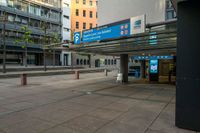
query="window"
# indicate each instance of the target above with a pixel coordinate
(84, 61)
(106, 62)
(84, 2)
(96, 3)
(81, 62)
(88, 62)
(84, 13)
(91, 14)
(169, 4)
(170, 14)
(91, 3)
(91, 25)
(66, 4)
(84, 26)
(77, 1)
(11, 18)
(112, 62)
(96, 15)
(77, 12)
(66, 29)
(77, 25)
(77, 61)
(115, 61)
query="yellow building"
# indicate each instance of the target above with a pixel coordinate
(83, 14)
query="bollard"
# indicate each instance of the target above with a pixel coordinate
(24, 79)
(76, 74)
(106, 72)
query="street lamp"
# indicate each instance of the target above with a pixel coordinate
(4, 20)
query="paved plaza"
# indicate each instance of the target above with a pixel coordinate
(93, 104)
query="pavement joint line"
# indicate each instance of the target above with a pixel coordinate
(153, 93)
(38, 106)
(123, 112)
(59, 89)
(126, 97)
(158, 115)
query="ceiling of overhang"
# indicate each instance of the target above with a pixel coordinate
(136, 45)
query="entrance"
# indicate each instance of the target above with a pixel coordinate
(66, 60)
(97, 63)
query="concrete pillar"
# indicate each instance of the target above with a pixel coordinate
(188, 72)
(77, 74)
(124, 67)
(23, 79)
(143, 69)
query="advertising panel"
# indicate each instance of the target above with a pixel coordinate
(153, 66)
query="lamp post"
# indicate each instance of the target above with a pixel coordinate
(4, 20)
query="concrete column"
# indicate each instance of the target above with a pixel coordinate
(143, 69)
(124, 67)
(188, 72)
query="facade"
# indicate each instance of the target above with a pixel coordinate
(34, 14)
(65, 57)
(155, 10)
(83, 14)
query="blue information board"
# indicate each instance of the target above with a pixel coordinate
(106, 32)
(153, 66)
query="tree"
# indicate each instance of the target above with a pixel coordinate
(25, 40)
(55, 40)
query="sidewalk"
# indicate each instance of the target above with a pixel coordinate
(93, 104)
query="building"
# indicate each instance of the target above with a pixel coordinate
(36, 14)
(83, 14)
(65, 57)
(155, 10)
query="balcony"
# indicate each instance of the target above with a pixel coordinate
(29, 15)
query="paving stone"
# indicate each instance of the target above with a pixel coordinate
(166, 122)
(143, 113)
(116, 127)
(106, 114)
(28, 126)
(12, 119)
(55, 116)
(18, 106)
(86, 124)
(60, 129)
(123, 105)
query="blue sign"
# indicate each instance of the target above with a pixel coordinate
(153, 66)
(106, 32)
(152, 57)
(77, 37)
